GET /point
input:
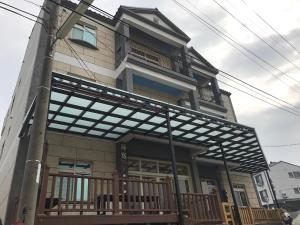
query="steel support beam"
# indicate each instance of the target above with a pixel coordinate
(235, 205)
(272, 188)
(175, 175)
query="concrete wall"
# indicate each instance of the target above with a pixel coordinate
(23, 95)
(100, 61)
(102, 154)
(244, 179)
(281, 181)
(230, 114)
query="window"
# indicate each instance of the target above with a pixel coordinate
(297, 190)
(159, 170)
(1, 150)
(84, 33)
(76, 168)
(264, 196)
(296, 174)
(240, 195)
(291, 175)
(259, 180)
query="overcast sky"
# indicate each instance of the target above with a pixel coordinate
(274, 126)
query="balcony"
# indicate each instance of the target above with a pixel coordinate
(72, 199)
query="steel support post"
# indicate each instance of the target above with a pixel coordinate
(235, 205)
(174, 167)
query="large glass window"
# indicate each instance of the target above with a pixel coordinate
(259, 180)
(264, 196)
(159, 170)
(81, 185)
(240, 195)
(84, 33)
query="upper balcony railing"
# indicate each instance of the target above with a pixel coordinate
(173, 63)
(207, 95)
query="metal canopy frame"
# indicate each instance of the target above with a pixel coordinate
(82, 107)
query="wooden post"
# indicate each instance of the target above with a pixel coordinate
(251, 216)
(115, 192)
(43, 192)
(170, 194)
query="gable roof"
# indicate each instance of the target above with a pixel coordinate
(206, 65)
(137, 12)
(279, 162)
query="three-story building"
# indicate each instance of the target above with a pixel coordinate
(125, 90)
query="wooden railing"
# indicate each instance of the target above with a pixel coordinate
(64, 194)
(256, 215)
(202, 208)
(152, 56)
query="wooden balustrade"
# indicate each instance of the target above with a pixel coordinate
(253, 215)
(65, 194)
(202, 208)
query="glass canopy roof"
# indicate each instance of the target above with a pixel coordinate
(82, 107)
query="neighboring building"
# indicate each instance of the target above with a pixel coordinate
(106, 156)
(286, 181)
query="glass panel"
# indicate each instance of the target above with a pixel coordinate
(189, 135)
(121, 129)
(53, 107)
(165, 168)
(85, 123)
(122, 111)
(64, 119)
(161, 130)
(111, 135)
(79, 101)
(92, 115)
(146, 126)
(176, 132)
(77, 33)
(149, 166)
(130, 123)
(58, 126)
(175, 123)
(133, 165)
(66, 166)
(157, 119)
(101, 107)
(140, 116)
(58, 97)
(112, 119)
(182, 170)
(89, 36)
(188, 127)
(71, 111)
(95, 132)
(103, 126)
(78, 129)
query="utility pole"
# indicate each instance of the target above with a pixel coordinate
(30, 186)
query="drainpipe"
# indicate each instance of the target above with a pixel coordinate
(174, 167)
(235, 205)
(30, 186)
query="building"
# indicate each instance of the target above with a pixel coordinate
(126, 93)
(286, 181)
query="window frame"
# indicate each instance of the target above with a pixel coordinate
(243, 187)
(291, 175)
(84, 28)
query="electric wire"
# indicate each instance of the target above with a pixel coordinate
(219, 80)
(272, 28)
(280, 146)
(257, 35)
(226, 37)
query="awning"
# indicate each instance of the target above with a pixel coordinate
(81, 107)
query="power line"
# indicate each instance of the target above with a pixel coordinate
(28, 13)
(278, 146)
(256, 35)
(129, 39)
(220, 33)
(272, 28)
(283, 109)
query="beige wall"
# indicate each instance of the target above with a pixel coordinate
(230, 115)
(244, 179)
(102, 154)
(104, 56)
